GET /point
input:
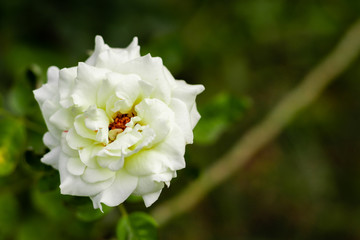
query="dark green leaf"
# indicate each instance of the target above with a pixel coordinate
(137, 226)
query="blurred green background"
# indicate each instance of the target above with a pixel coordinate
(248, 54)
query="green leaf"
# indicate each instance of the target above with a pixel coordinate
(12, 138)
(137, 226)
(218, 115)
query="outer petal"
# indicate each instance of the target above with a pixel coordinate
(86, 85)
(150, 70)
(187, 94)
(52, 157)
(75, 185)
(174, 148)
(118, 192)
(75, 166)
(147, 185)
(48, 109)
(50, 141)
(182, 118)
(194, 116)
(109, 58)
(100, 46)
(150, 198)
(48, 90)
(62, 119)
(66, 85)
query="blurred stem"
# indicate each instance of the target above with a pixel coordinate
(123, 210)
(261, 134)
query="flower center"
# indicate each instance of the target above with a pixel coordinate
(120, 121)
(118, 125)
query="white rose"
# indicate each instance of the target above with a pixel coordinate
(118, 124)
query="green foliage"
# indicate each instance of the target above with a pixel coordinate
(33, 229)
(137, 226)
(219, 115)
(12, 140)
(9, 217)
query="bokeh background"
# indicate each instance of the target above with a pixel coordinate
(248, 54)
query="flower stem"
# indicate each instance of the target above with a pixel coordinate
(123, 210)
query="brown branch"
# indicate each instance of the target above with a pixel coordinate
(256, 138)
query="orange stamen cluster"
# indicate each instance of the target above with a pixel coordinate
(120, 122)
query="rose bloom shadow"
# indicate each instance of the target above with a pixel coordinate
(118, 124)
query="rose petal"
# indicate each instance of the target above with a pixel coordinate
(187, 94)
(75, 141)
(52, 157)
(75, 166)
(86, 85)
(157, 115)
(88, 155)
(100, 46)
(150, 198)
(150, 70)
(75, 185)
(50, 141)
(93, 175)
(67, 78)
(48, 90)
(62, 119)
(146, 162)
(113, 163)
(182, 118)
(122, 187)
(173, 147)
